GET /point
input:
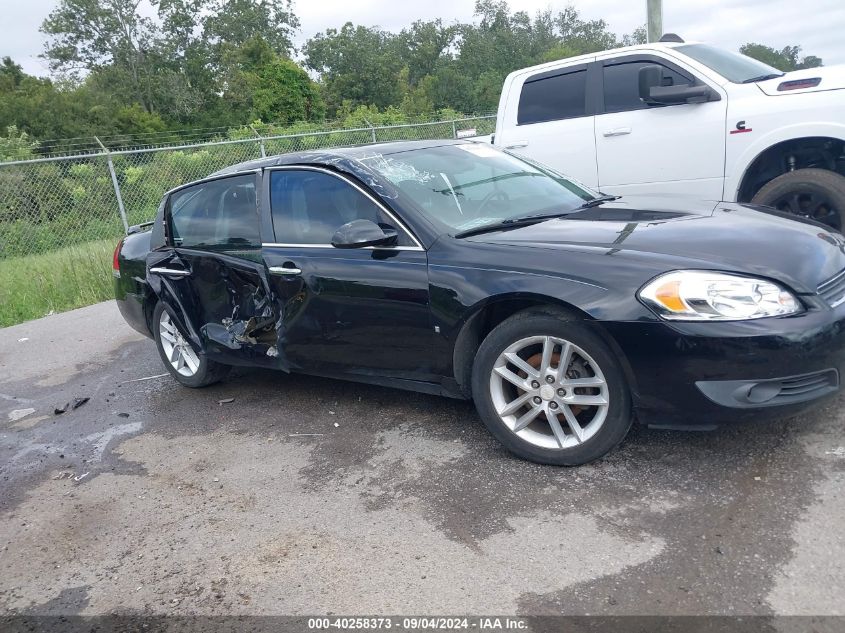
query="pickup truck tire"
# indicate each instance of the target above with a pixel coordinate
(817, 194)
(550, 390)
(188, 366)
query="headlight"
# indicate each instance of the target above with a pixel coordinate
(699, 295)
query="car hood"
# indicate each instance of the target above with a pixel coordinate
(721, 236)
(832, 78)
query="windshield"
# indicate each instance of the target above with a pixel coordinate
(466, 186)
(732, 66)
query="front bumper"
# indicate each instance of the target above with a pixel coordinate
(706, 374)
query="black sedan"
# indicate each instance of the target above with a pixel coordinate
(455, 269)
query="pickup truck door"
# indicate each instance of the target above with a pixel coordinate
(671, 149)
(548, 116)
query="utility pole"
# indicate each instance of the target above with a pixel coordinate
(654, 9)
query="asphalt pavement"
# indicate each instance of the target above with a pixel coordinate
(279, 494)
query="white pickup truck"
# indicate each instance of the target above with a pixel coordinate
(685, 119)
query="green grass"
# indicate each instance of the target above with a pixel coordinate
(32, 286)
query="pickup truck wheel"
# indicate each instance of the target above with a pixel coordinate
(188, 366)
(551, 390)
(817, 194)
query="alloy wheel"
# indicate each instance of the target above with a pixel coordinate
(176, 347)
(549, 392)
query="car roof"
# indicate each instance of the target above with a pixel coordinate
(332, 156)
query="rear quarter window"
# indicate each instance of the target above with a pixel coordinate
(553, 96)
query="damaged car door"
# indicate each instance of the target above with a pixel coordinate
(211, 273)
(344, 300)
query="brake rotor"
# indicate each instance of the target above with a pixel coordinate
(575, 370)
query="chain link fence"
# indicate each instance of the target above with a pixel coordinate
(51, 203)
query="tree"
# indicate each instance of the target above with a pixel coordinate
(85, 35)
(786, 59)
(16, 145)
(233, 23)
(356, 64)
(285, 93)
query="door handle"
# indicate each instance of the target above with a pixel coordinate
(176, 272)
(284, 270)
(517, 145)
(620, 131)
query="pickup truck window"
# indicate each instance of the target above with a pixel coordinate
(217, 213)
(309, 206)
(732, 66)
(621, 85)
(552, 97)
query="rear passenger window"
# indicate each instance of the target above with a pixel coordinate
(622, 85)
(218, 213)
(551, 97)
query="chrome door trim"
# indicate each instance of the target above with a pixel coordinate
(351, 182)
(170, 271)
(283, 270)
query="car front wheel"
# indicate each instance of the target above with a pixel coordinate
(188, 366)
(550, 389)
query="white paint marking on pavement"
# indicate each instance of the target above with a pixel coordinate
(18, 414)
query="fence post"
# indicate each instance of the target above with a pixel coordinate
(372, 129)
(260, 141)
(454, 130)
(116, 186)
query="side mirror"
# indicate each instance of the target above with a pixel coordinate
(361, 233)
(653, 92)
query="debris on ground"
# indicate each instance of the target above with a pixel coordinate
(81, 477)
(225, 401)
(145, 378)
(69, 406)
(336, 425)
(839, 451)
(123, 415)
(63, 475)
(18, 414)
(23, 340)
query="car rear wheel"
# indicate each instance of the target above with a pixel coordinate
(817, 194)
(550, 389)
(187, 365)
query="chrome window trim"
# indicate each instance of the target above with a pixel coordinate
(400, 225)
(334, 248)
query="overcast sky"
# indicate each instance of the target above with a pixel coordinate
(818, 26)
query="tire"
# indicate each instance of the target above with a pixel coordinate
(527, 335)
(817, 194)
(196, 370)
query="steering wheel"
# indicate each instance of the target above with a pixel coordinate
(493, 195)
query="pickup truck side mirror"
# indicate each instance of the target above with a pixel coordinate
(653, 92)
(362, 233)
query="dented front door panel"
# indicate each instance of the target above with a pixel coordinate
(354, 311)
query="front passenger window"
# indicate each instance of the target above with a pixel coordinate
(309, 206)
